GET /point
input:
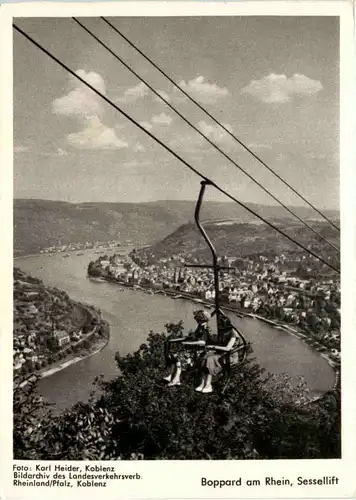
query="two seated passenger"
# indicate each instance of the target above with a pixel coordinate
(209, 355)
(212, 362)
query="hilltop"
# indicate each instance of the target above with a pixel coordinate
(242, 240)
(43, 223)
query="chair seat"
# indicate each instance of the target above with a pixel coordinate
(227, 370)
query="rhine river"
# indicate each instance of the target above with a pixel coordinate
(132, 314)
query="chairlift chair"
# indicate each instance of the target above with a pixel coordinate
(242, 348)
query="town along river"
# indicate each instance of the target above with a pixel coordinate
(132, 314)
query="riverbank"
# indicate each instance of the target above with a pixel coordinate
(57, 367)
(131, 315)
(26, 256)
(78, 252)
(209, 304)
(303, 337)
(84, 334)
(61, 365)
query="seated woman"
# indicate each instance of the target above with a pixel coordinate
(212, 362)
(181, 360)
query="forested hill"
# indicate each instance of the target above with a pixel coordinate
(43, 223)
(244, 239)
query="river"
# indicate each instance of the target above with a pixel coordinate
(132, 314)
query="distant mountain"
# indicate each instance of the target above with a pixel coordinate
(244, 239)
(43, 223)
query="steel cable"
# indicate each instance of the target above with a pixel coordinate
(171, 151)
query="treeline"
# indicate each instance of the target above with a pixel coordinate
(244, 241)
(44, 223)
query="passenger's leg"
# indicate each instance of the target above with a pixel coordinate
(170, 373)
(177, 373)
(208, 387)
(202, 383)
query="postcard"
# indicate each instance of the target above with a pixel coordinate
(178, 241)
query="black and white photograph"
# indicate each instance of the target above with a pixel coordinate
(176, 241)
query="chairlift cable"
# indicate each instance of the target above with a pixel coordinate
(196, 129)
(167, 148)
(175, 84)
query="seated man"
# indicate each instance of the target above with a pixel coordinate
(184, 358)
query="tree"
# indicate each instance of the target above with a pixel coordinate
(52, 344)
(312, 321)
(87, 328)
(28, 409)
(95, 270)
(86, 344)
(137, 416)
(104, 328)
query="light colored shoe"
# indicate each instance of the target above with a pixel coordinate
(167, 379)
(199, 388)
(171, 384)
(207, 390)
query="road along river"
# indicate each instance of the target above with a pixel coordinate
(132, 314)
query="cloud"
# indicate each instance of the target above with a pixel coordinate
(187, 143)
(61, 152)
(194, 143)
(279, 89)
(163, 94)
(214, 132)
(255, 145)
(161, 119)
(207, 93)
(55, 154)
(96, 135)
(315, 156)
(280, 156)
(19, 148)
(146, 125)
(80, 100)
(134, 93)
(138, 148)
(85, 105)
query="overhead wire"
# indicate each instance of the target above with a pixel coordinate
(196, 129)
(167, 148)
(215, 120)
(158, 94)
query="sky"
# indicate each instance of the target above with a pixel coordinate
(272, 81)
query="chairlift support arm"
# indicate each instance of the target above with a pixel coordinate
(215, 265)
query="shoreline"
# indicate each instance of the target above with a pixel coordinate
(60, 366)
(278, 325)
(93, 249)
(71, 360)
(184, 296)
(26, 256)
(65, 364)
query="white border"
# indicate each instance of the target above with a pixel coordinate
(182, 479)
(180, 8)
